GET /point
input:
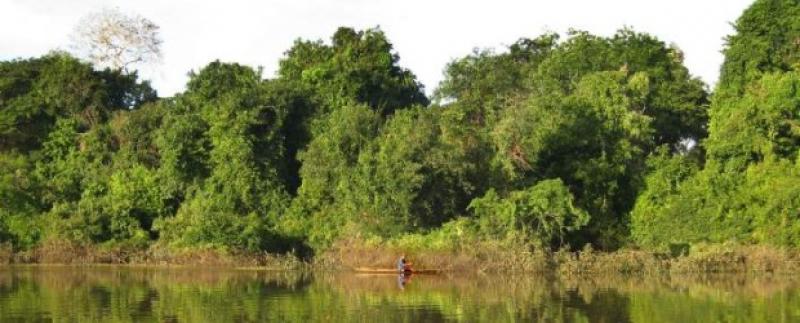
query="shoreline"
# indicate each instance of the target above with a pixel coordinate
(710, 259)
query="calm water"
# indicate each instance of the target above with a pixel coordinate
(120, 294)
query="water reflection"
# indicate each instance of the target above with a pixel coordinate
(403, 279)
(117, 294)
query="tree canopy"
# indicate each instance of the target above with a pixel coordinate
(743, 190)
(555, 141)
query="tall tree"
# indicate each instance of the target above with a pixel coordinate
(35, 92)
(243, 193)
(745, 190)
(766, 40)
(111, 38)
(358, 67)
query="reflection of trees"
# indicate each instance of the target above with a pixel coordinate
(111, 294)
(107, 294)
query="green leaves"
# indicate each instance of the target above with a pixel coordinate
(552, 142)
(35, 92)
(542, 214)
(328, 169)
(238, 152)
(357, 68)
(762, 124)
(766, 41)
(745, 191)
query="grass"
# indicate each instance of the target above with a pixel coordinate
(453, 256)
(487, 256)
(72, 253)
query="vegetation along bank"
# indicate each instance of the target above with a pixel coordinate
(560, 152)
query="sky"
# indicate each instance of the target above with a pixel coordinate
(427, 34)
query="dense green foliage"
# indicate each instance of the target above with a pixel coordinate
(551, 143)
(544, 212)
(746, 188)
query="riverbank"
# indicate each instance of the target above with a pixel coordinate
(496, 257)
(68, 253)
(484, 257)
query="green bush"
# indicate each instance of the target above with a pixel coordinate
(542, 214)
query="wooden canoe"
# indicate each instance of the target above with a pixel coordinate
(369, 270)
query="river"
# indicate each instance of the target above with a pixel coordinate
(146, 294)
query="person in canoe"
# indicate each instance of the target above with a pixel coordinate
(403, 265)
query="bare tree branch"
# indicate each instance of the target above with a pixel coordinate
(110, 38)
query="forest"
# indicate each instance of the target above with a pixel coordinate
(555, 142)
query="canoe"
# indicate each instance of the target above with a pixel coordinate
(368, 270)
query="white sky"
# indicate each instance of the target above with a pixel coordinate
(427, 34)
